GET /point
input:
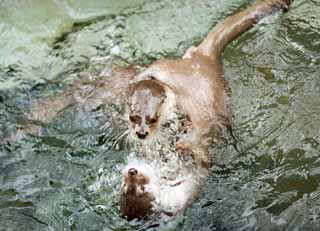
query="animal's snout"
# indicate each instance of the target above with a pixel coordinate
(132, 172)
(135, 177)
(136, 202)
(142, 134)
(142, 130)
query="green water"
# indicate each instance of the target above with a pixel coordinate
(68, 176)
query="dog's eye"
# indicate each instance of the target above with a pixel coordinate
(153, 120)
(140, 190)
(134, 119)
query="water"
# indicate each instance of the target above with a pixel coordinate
(68, 177)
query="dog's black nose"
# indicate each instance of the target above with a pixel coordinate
(142, 135)
(133, 171)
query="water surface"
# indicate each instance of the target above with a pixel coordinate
(68, 177)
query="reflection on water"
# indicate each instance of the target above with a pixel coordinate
(68, 177)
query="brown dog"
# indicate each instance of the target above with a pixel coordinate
(200, 92)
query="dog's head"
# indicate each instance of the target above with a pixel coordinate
(145, 100)
(157, 188)
(139, 191)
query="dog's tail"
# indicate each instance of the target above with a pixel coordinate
(237, 24)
